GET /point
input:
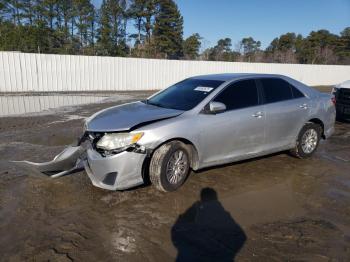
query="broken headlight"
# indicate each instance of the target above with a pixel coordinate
(118, 141)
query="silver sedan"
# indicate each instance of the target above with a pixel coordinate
(199, 122)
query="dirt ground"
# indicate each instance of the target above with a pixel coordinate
(274, 208)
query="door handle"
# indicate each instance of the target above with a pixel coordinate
(304, 106)
(258, 114)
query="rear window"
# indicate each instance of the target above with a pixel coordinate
(296, 92)
(276, 90)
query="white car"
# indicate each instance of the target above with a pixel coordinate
(342, 97)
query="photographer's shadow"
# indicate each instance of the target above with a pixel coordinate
(207, 232)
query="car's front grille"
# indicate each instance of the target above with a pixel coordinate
(343, 96)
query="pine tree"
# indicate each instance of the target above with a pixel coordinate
(137, 12)
(85, 15)
(112, 30)
(191, 46)
(2, 11)
(142, 12)
(104, 39)
(48, 8)
(119, 19)
(319, 47)
(28, 13)
(250, 48)
(150, 11)
(12, 9)
(168, 30)
(343, 46)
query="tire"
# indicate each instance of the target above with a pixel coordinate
(300, 150)
(163, 160)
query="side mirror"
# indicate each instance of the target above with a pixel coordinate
(216, 107)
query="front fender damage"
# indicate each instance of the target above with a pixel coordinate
(108, 171)
(126, 167)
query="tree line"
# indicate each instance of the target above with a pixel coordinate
(78, 27)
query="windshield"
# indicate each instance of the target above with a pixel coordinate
(184, 95)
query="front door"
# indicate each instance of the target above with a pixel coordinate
(237, 132)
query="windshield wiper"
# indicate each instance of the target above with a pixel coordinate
(153, 103)
(146, 101)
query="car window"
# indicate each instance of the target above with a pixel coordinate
(184, 95)
(239, 95)
(276, 90)
(296, 92)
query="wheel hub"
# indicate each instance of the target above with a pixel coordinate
(177, 167)
(309, 141)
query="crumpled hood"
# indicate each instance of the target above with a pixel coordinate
(125, 117)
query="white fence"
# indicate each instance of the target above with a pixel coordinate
(22, 72)
(16, 105)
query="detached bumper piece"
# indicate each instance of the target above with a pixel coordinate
(114, 172)
(66, 162)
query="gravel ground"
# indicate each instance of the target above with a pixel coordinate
(273, 208)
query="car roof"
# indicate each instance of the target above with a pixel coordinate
(233, 76)
(345, 84)
(309, 91)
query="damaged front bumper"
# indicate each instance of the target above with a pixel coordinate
(114, 172)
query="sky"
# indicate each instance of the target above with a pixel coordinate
(262, 19)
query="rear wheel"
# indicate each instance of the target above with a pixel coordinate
(308, 140)
(169, 166)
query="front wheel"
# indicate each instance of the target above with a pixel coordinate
(169, 166)
(308, 140)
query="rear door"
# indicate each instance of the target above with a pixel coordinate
(286, 110)
(239, 130)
